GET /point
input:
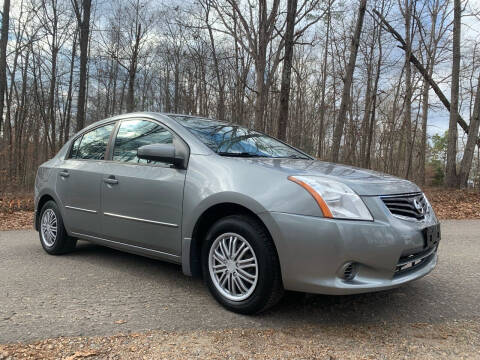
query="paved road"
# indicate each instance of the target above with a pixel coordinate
(99, 291)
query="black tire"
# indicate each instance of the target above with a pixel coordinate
(269, 288)
(62, 243)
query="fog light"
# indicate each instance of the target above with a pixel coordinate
(349, 271)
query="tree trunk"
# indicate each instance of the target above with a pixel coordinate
(324, 84)
(338, 131)
(84, 26)
(220, 80)
(407, 125)
(176, 93)
(51, 98)
(69, 93)
(373, 107)
(131, 89)
(452, 178)
(287, 70)
(366, 114)
(260, 89)
(423, 146)
(132, 70)
(3, 56)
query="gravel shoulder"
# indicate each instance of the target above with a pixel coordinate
(109, 304)
(459, 340)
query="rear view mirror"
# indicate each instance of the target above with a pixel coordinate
(161, 152)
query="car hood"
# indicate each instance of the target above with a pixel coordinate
(362, 181)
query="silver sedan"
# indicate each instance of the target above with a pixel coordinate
(250, 214)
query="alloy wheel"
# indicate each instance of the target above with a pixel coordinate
(48, 227)
(233, 266)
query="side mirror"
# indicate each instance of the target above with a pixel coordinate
(161, 152)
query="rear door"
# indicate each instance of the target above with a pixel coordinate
(79, 180)
(142, 200)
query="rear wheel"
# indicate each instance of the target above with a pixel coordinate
(53, 236)
(240, 265)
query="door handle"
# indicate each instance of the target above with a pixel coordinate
(111, 180)
(64, 173)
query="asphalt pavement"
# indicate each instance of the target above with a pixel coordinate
(100, 291)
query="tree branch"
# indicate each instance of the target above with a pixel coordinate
(403, 45)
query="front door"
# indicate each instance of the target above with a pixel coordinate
(142, 200)
(79, 181)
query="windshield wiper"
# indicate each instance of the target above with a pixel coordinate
(292, 157)
(297, 157)
(239, 154)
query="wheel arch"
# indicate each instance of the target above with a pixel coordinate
(191, 259)
(43, 199)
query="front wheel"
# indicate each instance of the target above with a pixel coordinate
(53, 236)
(240, 265)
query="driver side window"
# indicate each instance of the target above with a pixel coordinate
(133, 134)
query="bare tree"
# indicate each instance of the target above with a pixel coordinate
(467, 158)
(286, 70)
(347, 82)
(3, 56)
(82, 12)
(132, 40)
(452, 178)
(438, 12)
(255, 35)
(408, 8)
(322, 109)
(258, 63)
(421, 69)
(218, 74)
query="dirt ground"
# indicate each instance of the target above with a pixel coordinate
(458, 340)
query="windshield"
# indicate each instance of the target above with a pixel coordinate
(233, 140)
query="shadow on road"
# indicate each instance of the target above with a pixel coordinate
(415, 302)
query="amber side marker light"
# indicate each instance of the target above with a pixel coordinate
(321, 203)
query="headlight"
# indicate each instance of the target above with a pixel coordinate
(335, 199)
(429, 207)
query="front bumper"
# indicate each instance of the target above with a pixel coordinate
(313, 251)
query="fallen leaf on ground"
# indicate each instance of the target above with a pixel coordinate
(82, 354)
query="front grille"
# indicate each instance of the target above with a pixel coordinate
(407, 205)
(412, 262)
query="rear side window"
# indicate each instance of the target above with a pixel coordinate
(133, 134)
(93, 144)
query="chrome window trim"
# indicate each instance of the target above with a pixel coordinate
(111, 142)
(159, 165)
(81, 209)
(140, 220)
